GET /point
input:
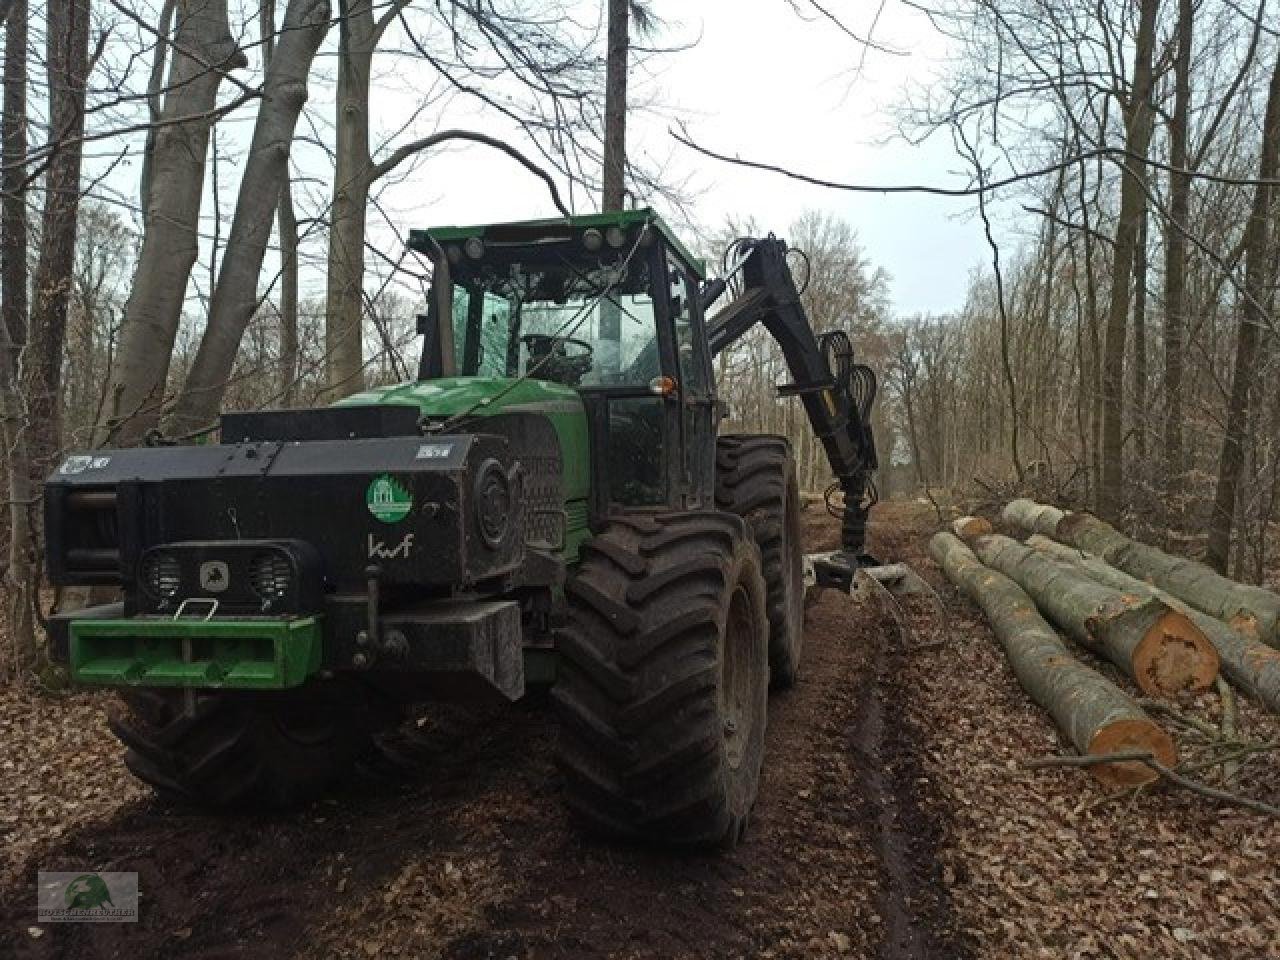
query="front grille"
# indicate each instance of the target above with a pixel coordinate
(543, 503)
(243, 576)
(163, 575)
(270, 574)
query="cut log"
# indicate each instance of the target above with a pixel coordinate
(1160, 648)
(966, 528)
(1033, 517)
(1250, 664)
(1092, 712)
(1253, 611)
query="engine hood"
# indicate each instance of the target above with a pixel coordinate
(483, 396)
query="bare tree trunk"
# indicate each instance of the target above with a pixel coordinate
(20, 577)
(344, 361)
(354, 174)
(170, 244)
(1133, 202)
(266, 173)
(615, 106)
(287, 229)
(1140, 413)
(13, 333)
(67, 63)
(13, 202)
(613, 194)
(155, 82)
(1175, 260)
(1253, 317)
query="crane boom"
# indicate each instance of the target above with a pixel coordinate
(836, 392)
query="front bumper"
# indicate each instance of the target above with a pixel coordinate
(449, 644)
(238, 653)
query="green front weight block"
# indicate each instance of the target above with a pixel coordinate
(226, 654)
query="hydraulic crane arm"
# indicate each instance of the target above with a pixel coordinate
(837, 393)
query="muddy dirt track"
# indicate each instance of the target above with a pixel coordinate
(463, 851)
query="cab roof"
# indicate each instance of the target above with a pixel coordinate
(553, 227)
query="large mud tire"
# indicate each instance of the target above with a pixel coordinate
(756, 479)
(244, 749)
(663, 684)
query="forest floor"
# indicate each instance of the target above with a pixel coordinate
(895, 820)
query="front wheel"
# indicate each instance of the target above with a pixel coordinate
(663, 684)
(244, 749)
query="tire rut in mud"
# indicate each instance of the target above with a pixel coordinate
(912, 896)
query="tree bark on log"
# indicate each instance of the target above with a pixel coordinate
(1163, 651)
(1094, 714)
(1251, 665)
(1032, 517)
(1253, 611)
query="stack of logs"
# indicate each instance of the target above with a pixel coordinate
(1167, 622)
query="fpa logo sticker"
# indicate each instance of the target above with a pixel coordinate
(434, 451)
(387, 499)
(79, 464)
(74, 465)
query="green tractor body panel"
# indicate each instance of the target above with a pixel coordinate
(479, 397)
(248, 654)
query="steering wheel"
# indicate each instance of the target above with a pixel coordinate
(550, 357)
(541, 344)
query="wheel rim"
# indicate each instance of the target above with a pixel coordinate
(735, 677)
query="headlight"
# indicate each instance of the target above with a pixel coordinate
(162, 575)
(493, 502)
(271, 575)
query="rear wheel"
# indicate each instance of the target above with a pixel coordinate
(756, 479)
(235, 749)
(663, 684)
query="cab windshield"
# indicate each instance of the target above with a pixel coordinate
(569, 322)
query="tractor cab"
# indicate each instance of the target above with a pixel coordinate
(604, 304)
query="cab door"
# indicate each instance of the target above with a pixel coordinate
(696, 386)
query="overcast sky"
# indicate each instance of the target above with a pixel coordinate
(764, 84)
(759, 82)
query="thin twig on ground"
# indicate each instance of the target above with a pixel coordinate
(1173, 713)
(1172, 776)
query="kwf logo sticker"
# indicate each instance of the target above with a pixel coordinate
(380, 551)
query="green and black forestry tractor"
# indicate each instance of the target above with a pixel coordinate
(548, 504)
